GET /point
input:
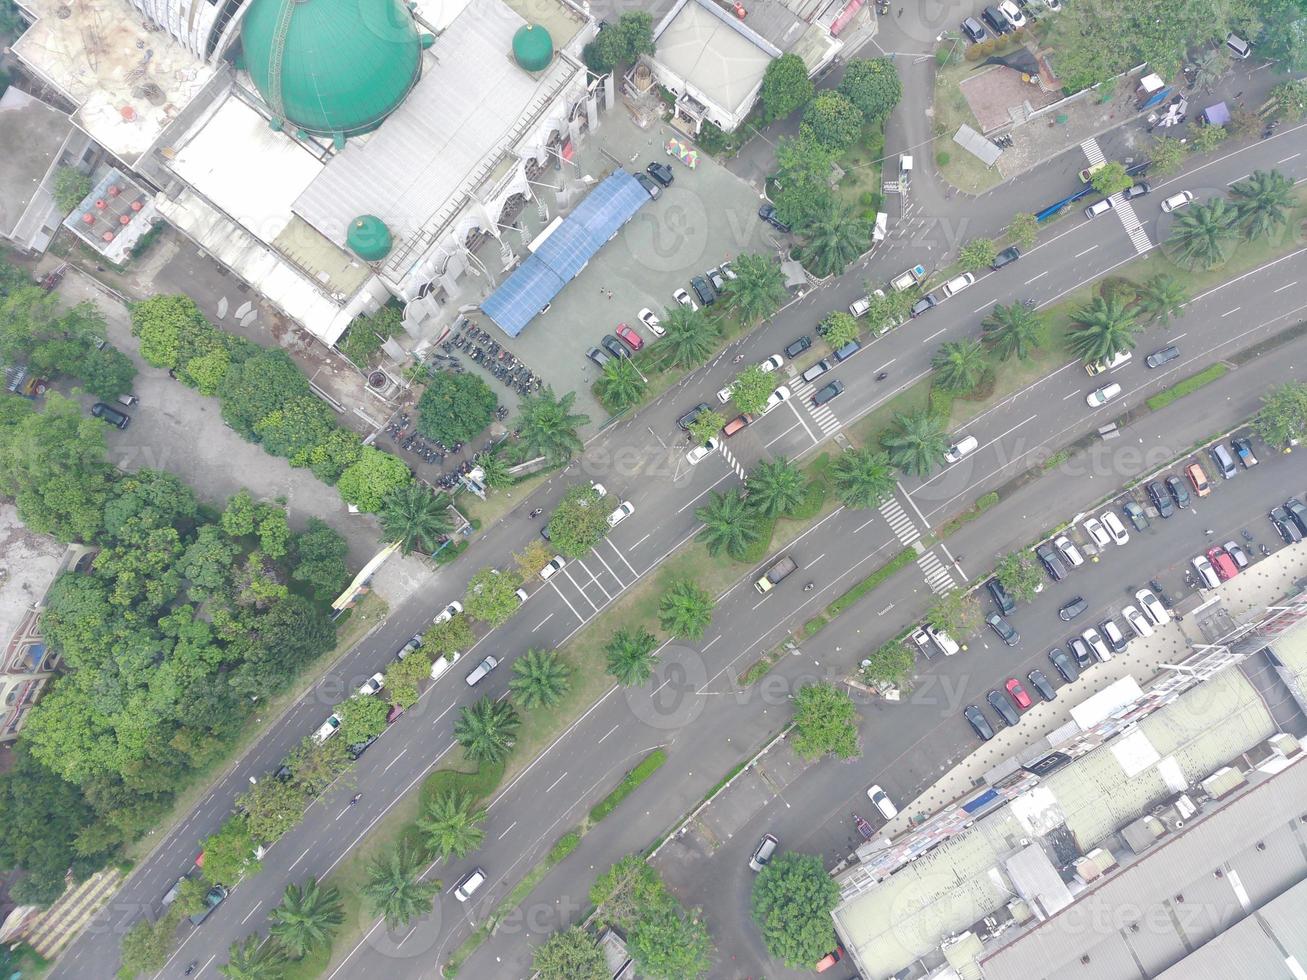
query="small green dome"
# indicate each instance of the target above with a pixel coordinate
(369, 238)
(533, 47)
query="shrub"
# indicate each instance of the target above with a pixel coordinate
(942, 158)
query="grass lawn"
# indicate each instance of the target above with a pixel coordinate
(962, 170)
(862, 164)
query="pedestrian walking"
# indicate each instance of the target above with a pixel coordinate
(900, 11)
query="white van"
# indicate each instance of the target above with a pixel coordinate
(963, 447)
(957, 284)
(947, 645)
(468, 884)
(1238, 46)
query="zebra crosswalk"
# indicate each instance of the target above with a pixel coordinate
(731, 461)
(899, 521)
(937, 575)
(1133, 226)
(821, 414)
(1093, 151)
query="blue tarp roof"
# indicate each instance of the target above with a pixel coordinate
(565, 253)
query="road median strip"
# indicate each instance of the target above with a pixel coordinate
(1186, 387)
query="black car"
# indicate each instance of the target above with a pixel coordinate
(1003, 707)
(797, 347)
(1136, 515)
(1179, 492)
(973, 29)
(927, 302)
(826, 394)
(358, 748)
(1138, 190)
(1080, 650)
(1160, 500)
(1163, 354)
(978, 722)
(1051, 561)
(1002, 599)
(704, 291)
(768, 214)
(111, 415)
(1005, 630)
(661, 173)
(1040, 683)
(996, 21)
(614, 346)
(649, 185)
(1297, 512)
(1285, 526)
(1063, 665)
(1072, 609)
(1005, 257)
(598, 356)
(687, 420)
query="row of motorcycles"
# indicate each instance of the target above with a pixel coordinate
(1004, 140)
(498, 361)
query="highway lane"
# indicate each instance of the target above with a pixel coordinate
(628, 465)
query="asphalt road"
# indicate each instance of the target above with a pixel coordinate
(638, 460)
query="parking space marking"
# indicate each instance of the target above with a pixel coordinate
(617, 551)
(542, 622)
(620, 584)
(783, 434)
(593, 579)
(566, 603)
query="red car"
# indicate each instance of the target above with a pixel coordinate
(1019, 695)
(633, 339)
(1223, 563)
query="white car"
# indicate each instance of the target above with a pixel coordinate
(724, 395)
(1069, 551)
(372, 685)
(781, 394)
(699, 452)
(682, 297)
(1094, 210)
(1053, 5)
(772, 363)
(1206, 572)
(521, 595)
(552, 567)
(1096, 644)
(1138, 622)
(727, 271)
(1097, 532)
(1012, 13)
(1115, 528)
(882, 803)
(957, 284)
(651, 322)
(1101, 396)
(327, 729)
(480, 670)
(599, 489)
(624, 510)
(443, 663)
(1152, 607)
(1178, 200)
(449, 612)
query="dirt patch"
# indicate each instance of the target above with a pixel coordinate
(999, 97)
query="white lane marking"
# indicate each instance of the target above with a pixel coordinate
(870, 520)
(815, 560)
(934, 335)
(1288, 158)
(985, 307)
(690, 502)
(506, 830)
(1070, 394)
(620, 586)
(783, 434)
(299, 859)
(710, 643)
(1040, 276)
(798, 415)
(1086, 251)
(1283, 288)
(1236, 180)
(764, 599)
(254, 908)
(556, 781)
(641, 541)
(393, 761)
(610, 731)
(543, 621)
(1228, 312)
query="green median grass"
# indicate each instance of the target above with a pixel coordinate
(1187, 387)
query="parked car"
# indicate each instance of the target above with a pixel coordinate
(1101, 396)
(688, 419)
(1137, 621)
(957, 284)
(1237, 554)
(479, 672)
(1152, 607)
(1115, 528)
(1162, 355)
(826, 394)
(409, 647)
(1138, 190)
(1052, 563)
(1003, 707)
(1107, 364)
(1040, 683)
(927, 302)
(1005, 257)
(702, 290)
(624, 510)
(1018, 693)
(978, 722)
(1243, 448)
(212, 899)
(358, 748)
(727, 271)
(974, 30)
(1072, 609)
(1179, 493)
(1135, 514)
(661, 172)
(1063, 664)
(882, 802)
(651, 322)
(614, 347)
(995, 21)
(651, 186)
(1178, 201)
(1080, 650)
(798, 346)
(449, 612)
(1157, 493)
(1012, 13)
(598, 356)
(763, 852)
(682, 297)
(1223, 460)
(781, 394)
(1098, 207)
(1005, 630)
(372, 685)
(1094, 639)
(1069, 551)
(945, 643)
(718, 280)
(1225, 567)
(327, 729)
(1097, 533)
(696, 454)
(111, 415)
(817, 370)
(736, 424)
(1002, 599)
(1206, 573)
(772, 363)
(768, 214)
(633, 339)
(1198, 478)
(1284, 526)
(1112, 633)
(1297, 513)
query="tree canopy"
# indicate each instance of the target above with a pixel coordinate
(873, 86)
(785, 87)
(455, 407)
(580, 521)
(825, 722)
(792, 901)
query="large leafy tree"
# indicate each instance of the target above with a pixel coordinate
(256, 387)
(957, 613)
(367, 482)
(776, 487)
(570, 955)
(1018, 574)
(685, 609)
(1290, 99)
(253, 958)
(620, 385)
(830, 118)
(362, 718)
(307, 917)
(873, 86)
(977, 254)
(705, 426)
(580, 521)
(486, 729)
(620, 43)
(792, 901)
(630, 656)
(1111, 179)
(272, 807)
(801, 190)
(318, 554)
(547, 425)
(833, 239)
(450, 824)
(1204, 234)
(862, 477)
(455, 407)
(751, 389)
(668, 942)
(825, 722)
(1161, 297)
(785, 87)
(691, 337)
(415, 517)
(159, 324)
(229, 853)
(392, 888)
(960, 365)
(839, 328)
(758, 288)
(730, 524)
(1104, 327)
(1023, 228)
(1013, 330)
(491, 596)
(1263, 202)
(540, 678)
(889, 664)
(1283, 416)
(917, 443)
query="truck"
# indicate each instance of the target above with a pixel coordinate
(907, 280)
(779, 569)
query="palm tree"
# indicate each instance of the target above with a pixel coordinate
(834, 238)
(959, 365)
(254, 959)
(919, 443)
(691, 336)
(1015, 329)
(630, 656)
(415, 517)
(730, 524)
(1212, 67)
(776, 486)
(1262, 202)
(685, 609)
(1161, 298)
(547, 426)
(485, 729)
(862, 477)
(449, 824)
(540, 678)
(758, 288)
(495, 468)
(306, 918)
(1203, 234)
(621, 385)
(392, 888)
(1105, 327)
